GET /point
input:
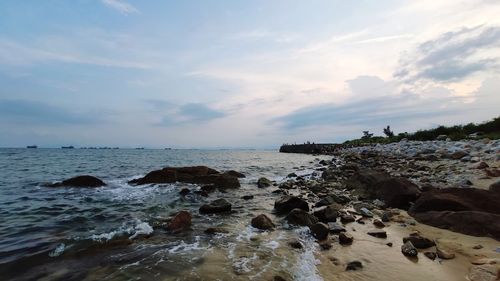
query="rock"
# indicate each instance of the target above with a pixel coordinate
(301, 217)
(386, 216)
(389, 244)
(445, 255)
(209, 188)
(492, 172)
(495, 187)
(235, 174)
(195, 175)
(79, 181)
(441, 137)
(430, 255)
(409, 250)
(262, 222)
(214, 230)
(216, 206)
(396, 192)
(180, 221)
(347, 218)
(482, 165)
(264, 182)
(458, 154)
(366, 213)
(329, 175)
(418, 241)
(278, 278)
(287, 203)
(319, 230)
(378, 223)
(477, 247)
(296, 244)
(345, 238)
(325, 245)
(465, 210)
(378, 233)
(354, 265)
(335, 228)
(184, 191)
(326, 214)
(247, 197)
(483, 273)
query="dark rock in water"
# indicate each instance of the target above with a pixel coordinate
(430, 255)
(325, 244)
(296, 244)
(329, 174)
(278, 278)
(445, 255)
(214, 230)
(247, 197)
(235, 174)
(292, 175)
(201, 193)
(378, 223)
(345, 238)
(495, 187)
(465, 210)
(196, 175)
(418, 241)
(184, 191)
(262, 222)
(287, 203)
(301, 217)
(180, 221)
(209, 188)
(216, 206)
(354, 265)
(409, 250)
(389, 244)
(326, 214)
(79, 181)
(335, 228)
(347, 218)
(264, 182)
(378, 233)
(319, 230)
(396, 192)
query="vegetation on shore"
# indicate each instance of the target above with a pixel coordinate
(489, 129)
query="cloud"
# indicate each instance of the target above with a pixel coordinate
(121, 6)
(453, 55)
(39, 113)
(191, 113)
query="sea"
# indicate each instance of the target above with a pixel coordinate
(115, 232)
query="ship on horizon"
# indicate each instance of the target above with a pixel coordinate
(32, 146)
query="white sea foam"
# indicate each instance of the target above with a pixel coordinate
(120, 190)
(142, 228)
(183, 247)
(132, 229)
(58, 250)
(305, 267)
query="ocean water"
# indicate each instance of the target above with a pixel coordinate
(111, 233)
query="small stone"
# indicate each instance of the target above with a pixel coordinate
(419, 241)
(184, 191)
(366, 213)
(292, 175)
(347, 218)
(320, 230)
(296, 244)
(263, 182)
(354, 265)
(430, 255)
(214, 230)
(378, 223)
(335, 228)
(247, 197)
(360, 221)
(477, 247)
(482, 165)
(389, 244)
(409, 250)
(181, 221)
(378, 233)
(216, 206)
(278, 278)
(345, 238)
(325, 245)
(442, 254)
(262, 222)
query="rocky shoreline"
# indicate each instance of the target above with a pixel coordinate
(362, 194)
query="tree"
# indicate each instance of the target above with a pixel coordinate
(367, 135)
(388, 132)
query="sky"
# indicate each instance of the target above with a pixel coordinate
(235, 74)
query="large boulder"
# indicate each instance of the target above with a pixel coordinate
(216, 206)
(262, 222)
(466, 210)
(79, 181)
(264, 182)
(180, 221)
(396, 192)
(287, 203)
(301, 217)
(319, 230)
(195, 174)
(327, 213)
(419, 241)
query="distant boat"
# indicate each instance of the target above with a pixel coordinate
(139, 148)
(168, 148)
(31, 146)
(67, 147)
